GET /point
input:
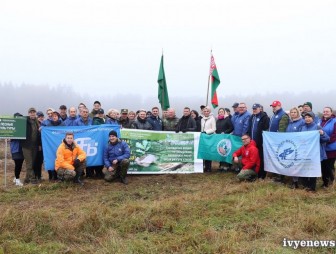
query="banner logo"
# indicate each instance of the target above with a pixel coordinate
(224, 147)
(90, 146)
(287, 153)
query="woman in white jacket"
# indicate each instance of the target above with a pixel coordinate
(208, 126)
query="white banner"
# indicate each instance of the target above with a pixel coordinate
(292, 153)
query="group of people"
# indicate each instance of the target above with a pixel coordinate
(247, 125)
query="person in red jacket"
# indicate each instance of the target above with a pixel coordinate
(250, 159)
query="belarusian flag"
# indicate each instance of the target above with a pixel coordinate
(163, 92)
(214, 82)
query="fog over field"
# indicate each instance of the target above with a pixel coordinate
(18, 98)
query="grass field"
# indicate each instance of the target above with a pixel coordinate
(198, 213)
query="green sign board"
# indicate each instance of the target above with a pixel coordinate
(14, 128)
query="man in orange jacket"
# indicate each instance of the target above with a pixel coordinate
(250, 159)
(70, 160)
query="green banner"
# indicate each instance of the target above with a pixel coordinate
(218, 147)
(162, 152)
(14, 128)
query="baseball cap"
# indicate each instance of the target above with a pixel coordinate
(235, 105)
(275, 103)
(31, 109)
(256, 105)
(39, 113)
(311, 114)
(100, 111)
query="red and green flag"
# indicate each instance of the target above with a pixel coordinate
(214, 82)
(163, 91)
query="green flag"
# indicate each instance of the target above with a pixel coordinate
(218, 147)
(214, 81)
(163, 92)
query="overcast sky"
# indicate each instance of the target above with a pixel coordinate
(107, 46)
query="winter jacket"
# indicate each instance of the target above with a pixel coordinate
(98, 120)
(323, 138)
(241, 123)
(126, 123)
(250, 156)
(110, 120)
(141, 124)
(186, 123)
(66, 155)
(55, 123)
(32, 133)
(224, 126)
(208, 124)
(169, 124)
(16, 149)
(156, 122)
(329, 126)
(295, 126)
(70, 121)
(80, 122)
(256, 125)
(279, 121)
(118, 151)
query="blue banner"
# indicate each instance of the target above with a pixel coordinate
(292, 153)
(218, 147)
(92, 139)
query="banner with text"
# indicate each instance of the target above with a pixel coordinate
(292, 153)
(92, 139)
(14, 128)
(218, 147)
(158, 152)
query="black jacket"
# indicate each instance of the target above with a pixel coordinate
(261, 123)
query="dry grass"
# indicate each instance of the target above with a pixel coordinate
(200, 213)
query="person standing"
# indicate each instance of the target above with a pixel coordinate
(240, 121)
(141, 121)
(84, 119)
(72, 117)
(17, 157)
(208, 126)
(294, 125)
(194, 114)
(30, 145)
(186, 122)
(170, 121)
(278, 123)
(155, 119)
(39, 156)
(328, 124)
(310, 125)
(258, 123)
(63, 112)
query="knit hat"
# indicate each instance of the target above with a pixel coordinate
(308, 104)
(113, 133)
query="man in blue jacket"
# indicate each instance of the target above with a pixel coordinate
(116, 158)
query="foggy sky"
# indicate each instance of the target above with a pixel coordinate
(107, 47)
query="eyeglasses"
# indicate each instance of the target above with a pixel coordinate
(244, 138)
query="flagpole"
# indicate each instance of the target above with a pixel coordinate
(206, 104)
(162, 92)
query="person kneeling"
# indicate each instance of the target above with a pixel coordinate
(116, 158)
(250, 159)
(70, 160)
